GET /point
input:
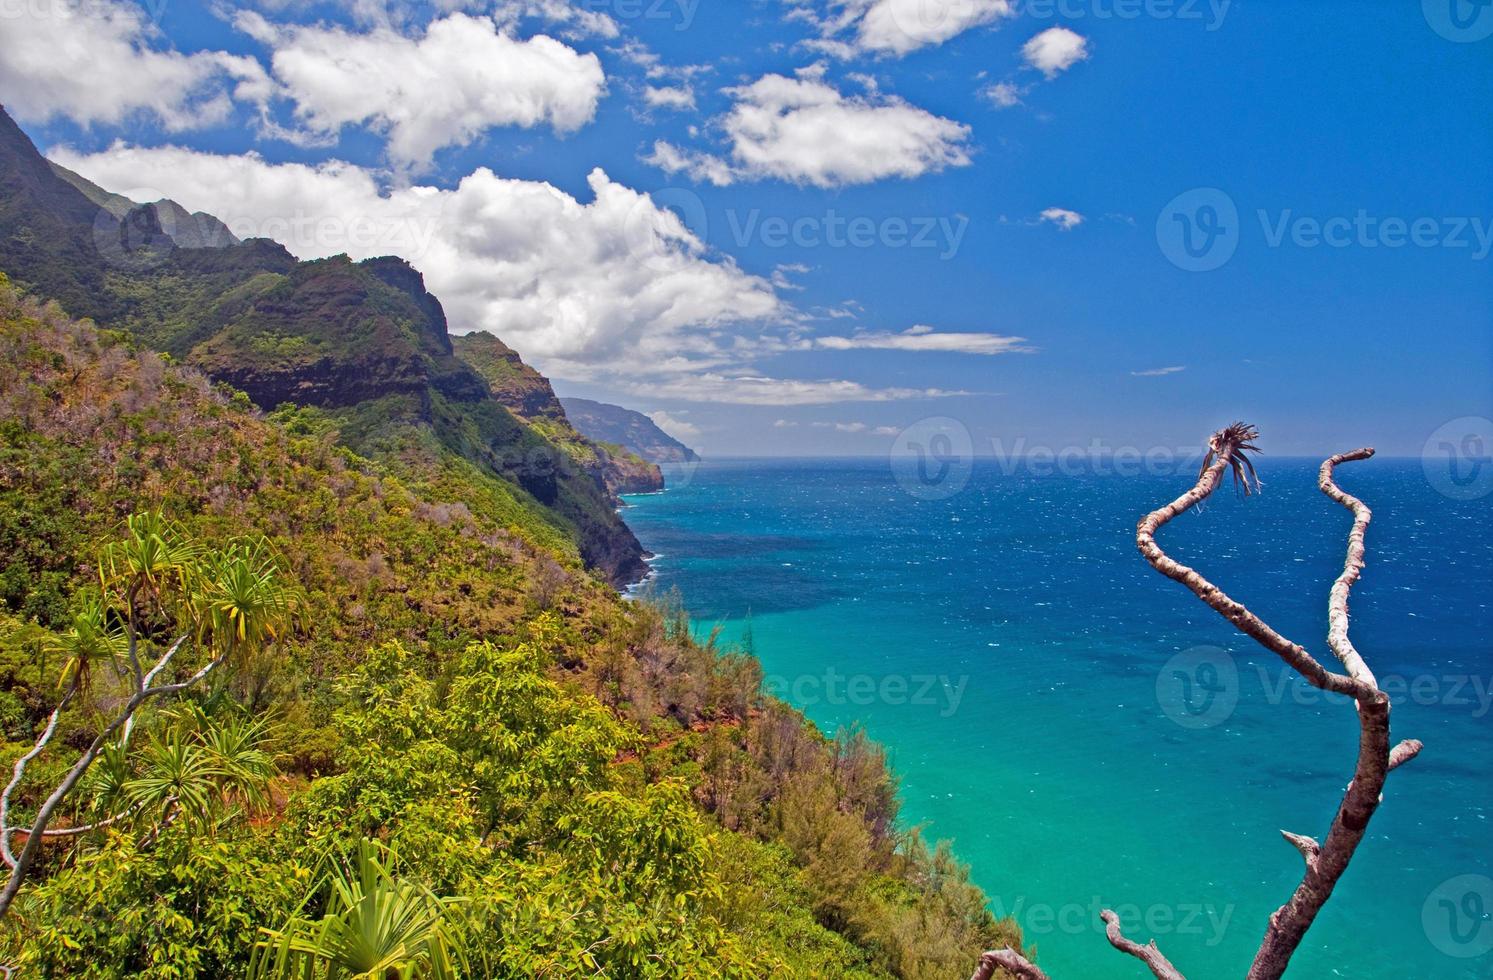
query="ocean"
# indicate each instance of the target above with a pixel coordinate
(1086, 732)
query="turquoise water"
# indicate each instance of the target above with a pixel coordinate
(1086, 732)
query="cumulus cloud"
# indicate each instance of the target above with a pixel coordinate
(805, 131)
(895, 27)
(462, 77)
(1062, 218)
(101, 61)
(1158, 372)
(669, 96)
(1055, 50)
(924, 339)
(612, 287)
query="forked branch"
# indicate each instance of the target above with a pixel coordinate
(1324, 862)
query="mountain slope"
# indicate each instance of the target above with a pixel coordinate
(364, 343)
(633, 431)
(601, 794)
(528, 394)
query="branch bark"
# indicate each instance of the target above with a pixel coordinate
(1148, 954)
(1010, 961)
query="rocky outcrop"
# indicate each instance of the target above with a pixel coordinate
(528, 394)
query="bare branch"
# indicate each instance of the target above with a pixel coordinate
(1404, 752)
(1337, 602)
(20, 771)
(144, 682)
(1148, 954)
(49, 807)
(1010, 961)
(1308, 846)
(1223, 448)
(1289, 923)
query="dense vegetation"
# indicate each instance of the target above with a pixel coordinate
(465, 746)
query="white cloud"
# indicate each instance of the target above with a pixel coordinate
(672, 424)
(99, 61)
(462, 77)
(615, 287)
(805, 131)
(1158, 372)
(670, 96)
(575, 17)
(1002, 95)
(1055, 50)
(724, 389)
(1062, 217)
(925, 339)
(896, 27)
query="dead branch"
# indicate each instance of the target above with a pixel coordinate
(1324, 862)
(1148, 954)
(1010, 961)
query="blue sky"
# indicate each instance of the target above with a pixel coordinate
(1006, 250)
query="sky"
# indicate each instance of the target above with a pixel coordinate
(787, 227)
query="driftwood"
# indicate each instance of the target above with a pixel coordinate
(1324, 862)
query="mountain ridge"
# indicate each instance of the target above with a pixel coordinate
(363, 342)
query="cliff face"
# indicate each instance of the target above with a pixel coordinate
(631, 430)
(364, 342)
(528, 394)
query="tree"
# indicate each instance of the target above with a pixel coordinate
(1228, 449)
(159, 593)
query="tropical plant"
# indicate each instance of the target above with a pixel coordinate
(169, 591)
(377, 926)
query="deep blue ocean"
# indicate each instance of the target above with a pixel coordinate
(1087, 732)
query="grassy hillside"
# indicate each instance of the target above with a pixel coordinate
(565, 780)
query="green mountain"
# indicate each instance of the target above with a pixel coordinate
(528, 394)
(624, 427)
(430, 726)
(364, 344)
